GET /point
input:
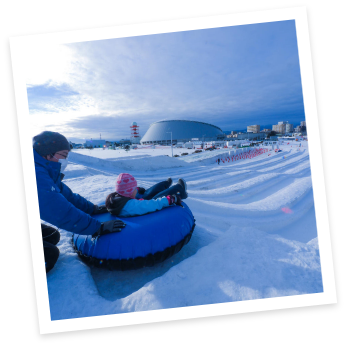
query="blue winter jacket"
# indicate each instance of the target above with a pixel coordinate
(139, 207)
(58, 204)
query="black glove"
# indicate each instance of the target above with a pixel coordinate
(141, 190)
(99, 209)
(174, 199)
(111, 226)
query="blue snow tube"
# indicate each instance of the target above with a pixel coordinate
(145, 241)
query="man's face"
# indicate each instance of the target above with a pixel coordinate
(58, 155)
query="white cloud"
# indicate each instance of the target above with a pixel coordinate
(51, 64)
(195, 74)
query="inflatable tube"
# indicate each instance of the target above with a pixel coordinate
(145, 241)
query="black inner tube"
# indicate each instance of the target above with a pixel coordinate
(138, 262)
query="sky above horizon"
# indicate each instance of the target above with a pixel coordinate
(230, 77)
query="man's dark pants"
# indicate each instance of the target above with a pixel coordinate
(50, 237)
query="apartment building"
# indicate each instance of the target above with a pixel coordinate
(253, 128)
(289, 128)
(283, 127)
(279, 128)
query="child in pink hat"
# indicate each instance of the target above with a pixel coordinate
(130, 200)
(125, 185)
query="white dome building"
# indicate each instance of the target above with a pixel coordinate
(182, 131)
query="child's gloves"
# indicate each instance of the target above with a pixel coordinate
(111, 226)
(141, 190)
(99, 209)
(174, 199)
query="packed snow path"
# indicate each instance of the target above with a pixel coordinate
(255, 234)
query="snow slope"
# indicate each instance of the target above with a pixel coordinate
(255, 235)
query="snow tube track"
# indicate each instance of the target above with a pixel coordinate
(145, 241)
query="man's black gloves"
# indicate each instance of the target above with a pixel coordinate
(99, 209)
(141, 190)
(111, 226)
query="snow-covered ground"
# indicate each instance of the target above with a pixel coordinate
(255, 234)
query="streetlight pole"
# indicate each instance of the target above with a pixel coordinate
(170, 132)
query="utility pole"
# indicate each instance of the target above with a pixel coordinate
(170, 132)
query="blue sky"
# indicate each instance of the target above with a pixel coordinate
(231, 77)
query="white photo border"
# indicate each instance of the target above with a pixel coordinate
(19, 47)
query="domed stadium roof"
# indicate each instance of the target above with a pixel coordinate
(182, 131)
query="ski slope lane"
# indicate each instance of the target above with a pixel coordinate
(255, 235)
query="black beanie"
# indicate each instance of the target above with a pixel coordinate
(49, 142)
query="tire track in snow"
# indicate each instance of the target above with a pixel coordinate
(242, 180)
(300, 168)
(284, 197)
(285, 163)
(269, 161)
(89, 169)
(270, 221)
(238, 186)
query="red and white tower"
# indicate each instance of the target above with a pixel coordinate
(134, 133)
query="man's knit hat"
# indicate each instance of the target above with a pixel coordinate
(125, 184)
(49, 142)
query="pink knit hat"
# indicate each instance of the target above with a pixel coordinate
(125, 184)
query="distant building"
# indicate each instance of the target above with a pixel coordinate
(300, 129)
(188, 145)
(279, 128)
(283, 127)
(232, 134)
(253, 128)
(77, 145)
(286, 138)
(266, 131)
(124, 142)
(181, 131)
(251, 136)
(289, 128)
(95, 143)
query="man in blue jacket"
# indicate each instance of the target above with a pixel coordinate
(59, 206)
